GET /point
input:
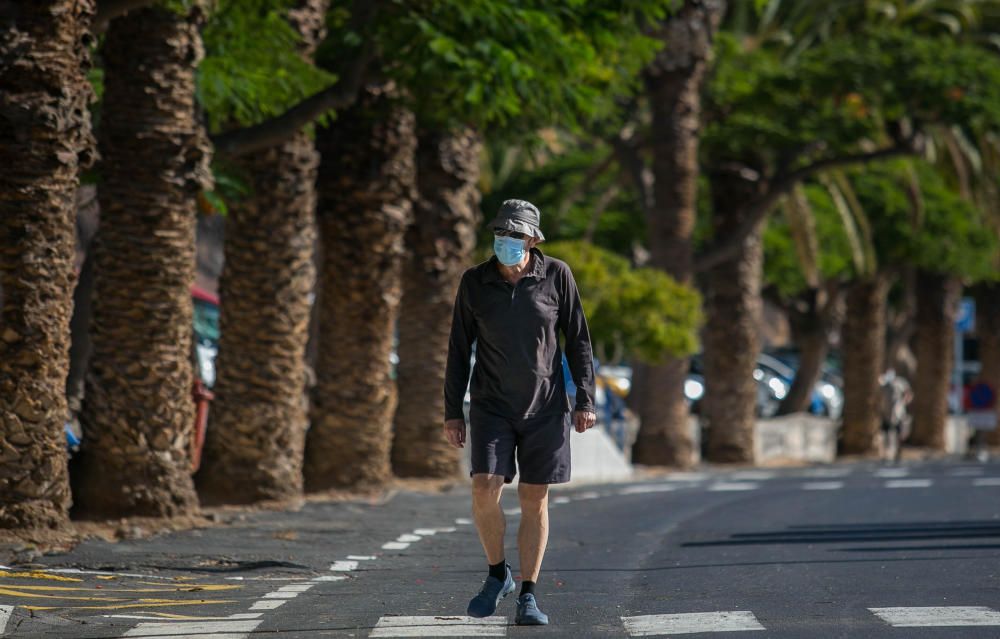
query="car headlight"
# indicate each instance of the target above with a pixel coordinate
(777, 387)
(693, 389)
(828, 391)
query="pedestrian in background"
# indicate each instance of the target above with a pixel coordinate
(513, 307)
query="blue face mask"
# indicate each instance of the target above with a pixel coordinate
(509, 250)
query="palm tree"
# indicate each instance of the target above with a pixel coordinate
(45, 140)
(937, 306)
(440, 243)
(988, 329)
(366, 188)
(254, 447)
(137, 413)
(673, 83)
(862, 344)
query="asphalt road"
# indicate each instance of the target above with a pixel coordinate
(839, 551)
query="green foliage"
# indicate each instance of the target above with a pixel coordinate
(252, 68)
(782, 267)
(847, 91)
(642, 310)
(515, 64)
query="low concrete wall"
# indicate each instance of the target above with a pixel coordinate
(799, 437)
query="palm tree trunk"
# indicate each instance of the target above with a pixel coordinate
(673, 85)
(441, 241)
(988, 330)
(137, 412)
(731, 338)
(811, 318)
(45, 129)
(937, 306)
(254, 446)
(366, 187)
(862, 344)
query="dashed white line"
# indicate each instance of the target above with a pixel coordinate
(686, 476)
(268, 604)
(447, 530)
(892, 472)
(425, 532)
(513, 512)
(588, 495)
(462, 521)
(753, 475)
(561, 500)
(408, 538)
(344, 566)
(330, 578)
(966, 472)
(938, 616)
(232, 629)
(280, 595)
(825, 473)
(908, 483)
(823, 485)
(691, 622)
(724, 486)
(361, 557)
(395, 545)
(986, 481)
(296, 588)
(647, 488)
(441, 626)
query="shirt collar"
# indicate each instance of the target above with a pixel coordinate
(492, 271)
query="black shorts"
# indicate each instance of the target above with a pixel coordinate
(540, 445)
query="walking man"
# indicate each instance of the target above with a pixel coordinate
(513, 307)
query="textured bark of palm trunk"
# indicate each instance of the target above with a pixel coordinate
(673, 85)
(862, 344)
(988, 330)
(45, 128)
(809, 335)
(366, 189)
(937, 306)
(440, 242)
(255, 443)
(731, 337)
(138, 412)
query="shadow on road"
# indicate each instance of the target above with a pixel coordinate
(847, 533)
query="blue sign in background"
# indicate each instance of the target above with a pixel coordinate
(982, 396)
(965, 321)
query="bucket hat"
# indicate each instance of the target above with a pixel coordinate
(519, 216)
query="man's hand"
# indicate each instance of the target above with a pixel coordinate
(454, 432)
(584, 420)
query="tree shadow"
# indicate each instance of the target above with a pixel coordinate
(853, 533)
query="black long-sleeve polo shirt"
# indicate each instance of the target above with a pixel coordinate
(518, 371)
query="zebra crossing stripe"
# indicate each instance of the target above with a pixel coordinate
(892, 472)
(235, 629)
(691, 622)
(938, 616)
(724, 486)
(908, 483)
(442, 626)
(823, 485)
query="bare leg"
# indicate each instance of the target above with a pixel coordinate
(490, 522)
(533, 535)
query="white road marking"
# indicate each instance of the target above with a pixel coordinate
(647, 488)
(936, 616)
(344, 566)
(447, 530)
(361, 557)
(267, 604)
(440, 627)
(513, 512)
(232, 629)
(239, 615)
(825, 473)
(4, 616)
(280, 595)
(262, 578)
(330, 578)
(462, 521)
(686, 476)
(754, 475)
(986, 481)
(966, 472)
(561, 500)
(892, 472)
(408, 538)
(395, 545)
(588, 495)
(730, 486)
(823, 485)
(296, 588)
(692, 622)
(425, 532)
(908, 483)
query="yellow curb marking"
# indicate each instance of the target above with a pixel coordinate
(161, 589)
(35, 574)
(148, 603)
(16, 593)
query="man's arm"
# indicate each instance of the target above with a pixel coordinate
(579, 353)
(463, 334)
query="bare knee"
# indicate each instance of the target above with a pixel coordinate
(533, 496)
(486, 488)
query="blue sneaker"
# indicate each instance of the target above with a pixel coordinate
(528, 613)
(485, 603)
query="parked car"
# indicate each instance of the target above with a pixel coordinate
(827, 398)
(771, 388)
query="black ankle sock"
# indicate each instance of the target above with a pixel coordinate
(499, 570)
(527, 588)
